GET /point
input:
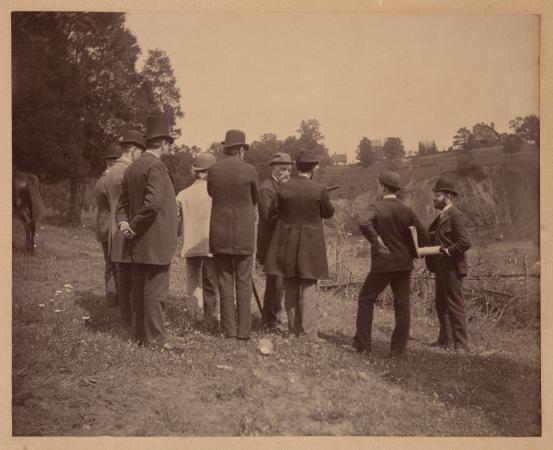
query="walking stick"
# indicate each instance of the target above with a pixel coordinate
(256, 295)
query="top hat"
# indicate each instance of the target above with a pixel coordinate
(281, 158)
(134, 137)
(307, 156)
(113, 152)
(203, 161)
(158, 127)
(390, 179)
(235, 138)
(445, 185)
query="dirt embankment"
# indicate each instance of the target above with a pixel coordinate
(505, 201)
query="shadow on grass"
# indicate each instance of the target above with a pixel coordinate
(506, 391)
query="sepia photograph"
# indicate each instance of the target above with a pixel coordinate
(279, 223)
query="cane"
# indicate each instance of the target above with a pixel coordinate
(256, 295)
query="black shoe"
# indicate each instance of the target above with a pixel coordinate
(243, 338)
(438, 344)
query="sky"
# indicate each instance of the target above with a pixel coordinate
(417, 77)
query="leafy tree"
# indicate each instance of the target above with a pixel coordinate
(527, 128)
(393, 148)
(462, 138)
(365, 154)
(261, 152)
(427, 148)
(513, 144)
(75, 89)
(159, 80)
(310, 138)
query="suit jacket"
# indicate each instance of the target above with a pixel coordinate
(103, 214)
(390, 219)
(148, 203)
(297, 247)
(233, 187)
(449, 230)
(265, 228)
(119, 247)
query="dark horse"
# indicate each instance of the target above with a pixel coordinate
(27, 204)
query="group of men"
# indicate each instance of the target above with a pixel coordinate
(226, 219)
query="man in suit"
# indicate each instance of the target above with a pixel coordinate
(449, 232)
(297, 251)
(281, 166)
(147, 215)
(392, 253)
(132, 144)
(194, 208)
(103, 225)
(233, 187)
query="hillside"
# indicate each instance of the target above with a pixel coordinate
(503, 198)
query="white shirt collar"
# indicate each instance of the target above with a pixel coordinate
(151, 152)
(123, 158)
(304, 175)
(390, 196)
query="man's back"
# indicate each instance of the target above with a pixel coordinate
(103, 218)
(390, 219)
(194, 205)
(148, 197)
(232, 185)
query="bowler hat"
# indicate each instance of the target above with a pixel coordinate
(158, 127)
(134, 137)
(390, 179)
(445, 185)
(281, 158)
(113, 152)
(307, 156)
(203, 161)
(235, 138)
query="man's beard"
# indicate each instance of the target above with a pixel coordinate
(283, 178)
(440, 204)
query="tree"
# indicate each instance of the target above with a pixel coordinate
(462, 138)
(159, 80)
(427, 148)
(261, 152)
(513, 144)
(310, 138)
(393, 148)
(527, 128)
(365, 154)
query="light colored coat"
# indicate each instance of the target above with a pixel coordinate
(194, 210)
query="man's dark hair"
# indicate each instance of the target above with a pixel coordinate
(156, 142)
(232, 151)
(305, 166)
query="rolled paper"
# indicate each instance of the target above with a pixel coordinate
(428, 251)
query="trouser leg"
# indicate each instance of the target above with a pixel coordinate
(243, 279)
(271, 298)
(292, 304)
(193, 285)
(224, 268)
(308, 307)
(209, 283)
(109, 276)
(374, 284)
(137, 299)
(400, 288)
(453, 293)
(156, 288)
(444, 336)
(124, 288)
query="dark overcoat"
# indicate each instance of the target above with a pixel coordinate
(390, 219)
(119, 247)
(233, 187)
(148, 203)
(103, 215)
(265, 228)
(297, 246)
(450, 231)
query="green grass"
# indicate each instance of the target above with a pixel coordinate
(76, 377)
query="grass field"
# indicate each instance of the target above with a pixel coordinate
(73, 376)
